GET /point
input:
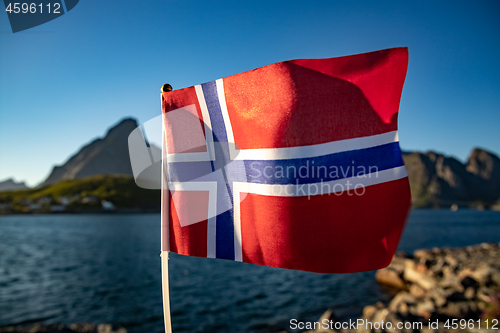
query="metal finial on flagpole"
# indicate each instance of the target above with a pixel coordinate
(166, 87)
(165, 214)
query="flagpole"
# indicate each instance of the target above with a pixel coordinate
(165, 210)
(165, 290)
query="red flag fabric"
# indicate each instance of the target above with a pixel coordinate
(294, 165)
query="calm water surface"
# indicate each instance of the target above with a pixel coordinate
(106, 268)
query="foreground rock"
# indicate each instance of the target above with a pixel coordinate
(444, 283)
(59, 328)
(440, 290)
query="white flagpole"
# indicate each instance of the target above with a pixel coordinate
(165, 207)
(166, 294)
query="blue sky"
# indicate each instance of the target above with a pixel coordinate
(65, 82)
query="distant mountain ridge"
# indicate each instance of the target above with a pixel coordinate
(435, 179)
(108, 155)
(11, 185)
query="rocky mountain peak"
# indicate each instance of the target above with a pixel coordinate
(107, 155)
(123, 128)
(11, 185)
(483, 164)
(436, 179)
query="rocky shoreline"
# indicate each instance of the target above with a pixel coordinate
(445, 290)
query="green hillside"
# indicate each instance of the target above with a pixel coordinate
(96, 193)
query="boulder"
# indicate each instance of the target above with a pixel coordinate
(401, 297)
(389, 277)
(482, 274)
(369, 311)
(469, 293)
(451, 261)
(495, 277)
(421, 268)
(455, 296)
(380, 315)
(403, 308)
(398, 264)
(447, 271)
(438, 296)
(451, 282)
(425, 309)
(416, 291)
(469, 281)
(455, 310)
(422, 253)
(411, 274)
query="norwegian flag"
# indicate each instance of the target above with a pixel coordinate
(294, 165)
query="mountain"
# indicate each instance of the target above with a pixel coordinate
(108, 155)
(437, 180)
(10, 185)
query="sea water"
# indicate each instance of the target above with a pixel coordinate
(106, 268)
